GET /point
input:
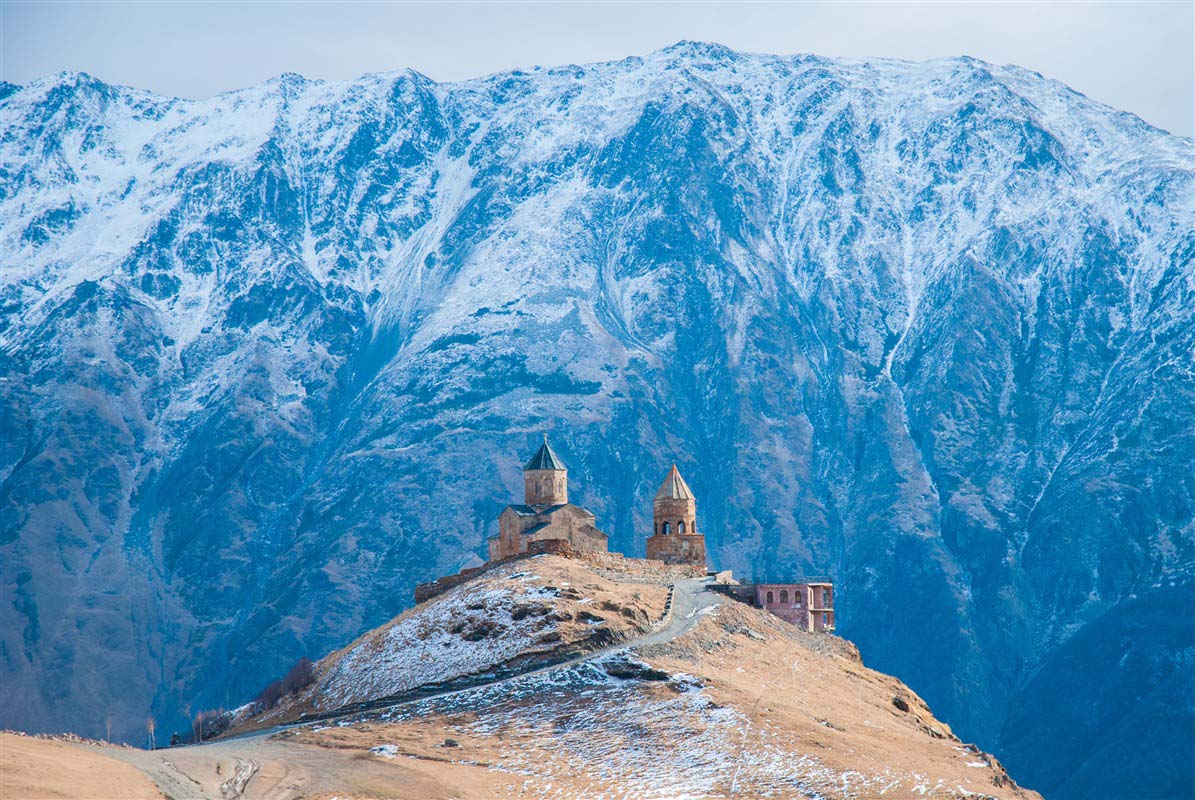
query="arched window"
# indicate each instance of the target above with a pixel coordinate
(784, 595)
(680, 526)
(560, 486)
(667, 529)
(771, 598)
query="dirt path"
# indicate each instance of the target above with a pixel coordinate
(753, 708)
(255, 767)
(690, 598)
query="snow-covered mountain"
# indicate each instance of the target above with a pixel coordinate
(269, 359)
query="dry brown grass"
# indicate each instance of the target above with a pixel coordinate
(804, 699)
(39, 769)
(813, 693)
(626, 608)
(753, 708)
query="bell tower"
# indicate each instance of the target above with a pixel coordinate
(675, 539)
(545, 478)
(674, 509)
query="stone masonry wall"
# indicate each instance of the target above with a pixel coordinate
(617, 567)
(677, 549)
(674, 511)
(611, 566)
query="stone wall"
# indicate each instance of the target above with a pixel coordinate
(617, 567)
(426, 591)
(555, 547)
(679, 513)
(547, 487)
(569, 523)
(612, 566)
(744, 594)
(677, 549)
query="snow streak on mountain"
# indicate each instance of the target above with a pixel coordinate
(269, 359)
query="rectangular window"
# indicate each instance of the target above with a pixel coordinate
(825, 619)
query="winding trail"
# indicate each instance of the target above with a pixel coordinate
(249, 765)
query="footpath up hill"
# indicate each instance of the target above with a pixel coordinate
(587, 678)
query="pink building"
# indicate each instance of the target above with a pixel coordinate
(809, 606)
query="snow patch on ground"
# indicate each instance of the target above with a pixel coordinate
(459, 634)
(385, 750)
(623, 740)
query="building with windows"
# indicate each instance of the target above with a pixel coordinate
(807, 605)
(546, 522)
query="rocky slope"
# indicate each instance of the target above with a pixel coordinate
(509, 619)
(269, 359)
(736, 704)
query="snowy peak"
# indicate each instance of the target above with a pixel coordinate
(909, 323)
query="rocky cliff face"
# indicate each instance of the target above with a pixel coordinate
(268, 360)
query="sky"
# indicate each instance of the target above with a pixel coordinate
(1136, 56)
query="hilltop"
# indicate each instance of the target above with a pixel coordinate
(588, 678)
(514, 617)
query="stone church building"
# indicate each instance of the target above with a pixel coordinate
(545, 512)
(546, 522)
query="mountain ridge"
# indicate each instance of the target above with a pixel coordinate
(681, 48)
(915, 324)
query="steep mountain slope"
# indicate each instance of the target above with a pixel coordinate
(269, 359)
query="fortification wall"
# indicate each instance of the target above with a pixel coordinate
(556, 547)
(426, 591)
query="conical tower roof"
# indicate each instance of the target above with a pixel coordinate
(544, 458)
(674, 487)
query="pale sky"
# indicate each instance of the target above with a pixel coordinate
(1135, 56)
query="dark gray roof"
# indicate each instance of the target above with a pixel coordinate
(544, 458)
(542, 525)
(531, 511)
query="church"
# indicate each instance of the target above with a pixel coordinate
(546, 522)
(545, 512)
